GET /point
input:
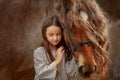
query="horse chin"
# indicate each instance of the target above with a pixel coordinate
(85, 75)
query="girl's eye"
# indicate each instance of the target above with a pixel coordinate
(50, 34)
(59, 34)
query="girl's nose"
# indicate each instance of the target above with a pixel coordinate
(55, 37)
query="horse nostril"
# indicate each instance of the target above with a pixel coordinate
(94, 68)
(82, 70)
(86, 72)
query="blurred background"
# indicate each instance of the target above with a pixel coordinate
(112, 7)
(20, 35)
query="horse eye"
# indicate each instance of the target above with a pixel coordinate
(89, 44)
(84, 15)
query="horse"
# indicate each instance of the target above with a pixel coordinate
(85, 27)
(21, 21)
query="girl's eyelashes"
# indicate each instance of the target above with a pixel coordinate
(59, 34)
(51, 34)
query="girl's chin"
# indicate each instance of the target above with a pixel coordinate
(54, 44)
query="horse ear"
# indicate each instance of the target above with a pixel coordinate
(58, 7)
(68, 3)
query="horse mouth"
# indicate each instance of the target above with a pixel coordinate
(85, 73)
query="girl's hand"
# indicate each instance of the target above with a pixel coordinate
(60, 55)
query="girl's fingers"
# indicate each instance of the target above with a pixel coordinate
(63, 51)
(61, 48)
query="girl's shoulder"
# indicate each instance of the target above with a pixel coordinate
(39, 51)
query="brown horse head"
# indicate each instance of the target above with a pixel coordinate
(84, 52)
(85, 24)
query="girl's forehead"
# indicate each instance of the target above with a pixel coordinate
(53, 26)
(53, 29)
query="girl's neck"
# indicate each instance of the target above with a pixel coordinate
(53, 47)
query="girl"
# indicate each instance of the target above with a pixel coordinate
(50, 58)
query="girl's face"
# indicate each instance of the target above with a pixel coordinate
(54, 35)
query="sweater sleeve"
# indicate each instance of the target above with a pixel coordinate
(72, 69)
(43, 70)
